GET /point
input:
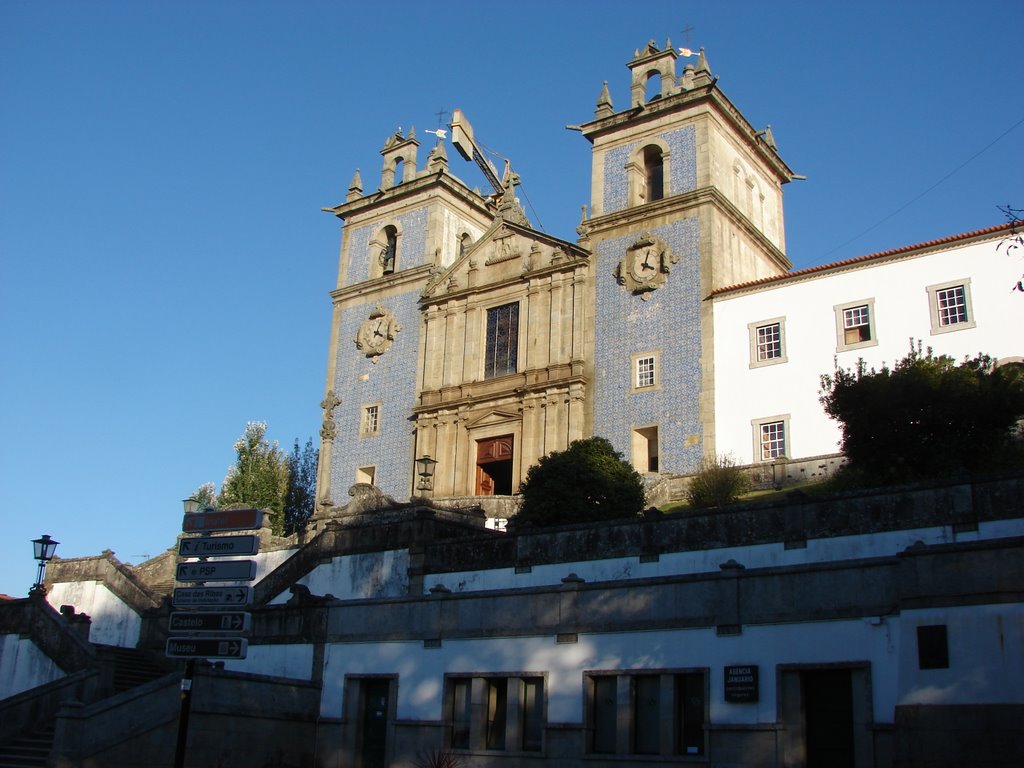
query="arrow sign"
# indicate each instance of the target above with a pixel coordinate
(224, 570)
(229, 597)
(207, 647)
(219, 546)
(196, 622)
(222, 520)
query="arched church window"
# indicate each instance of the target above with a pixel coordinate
(464, 241)
(654, 173)
(399, 164)
(389, 257)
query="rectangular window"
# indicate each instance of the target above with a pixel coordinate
(532, 712)
(767, 342)
(950, 307)
(855, 325)
(650, 701)
(932, 647)
(645, 372)
(497, 698)
(370, 422)
(773, 440)
(459, 714)
(496, 713)
(502, 344)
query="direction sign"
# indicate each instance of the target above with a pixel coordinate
(209, 597)
(200, 623)
(222, 570)
(222, 520)
(219, 546)
(207, 647)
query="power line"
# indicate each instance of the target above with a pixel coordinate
(922, 194)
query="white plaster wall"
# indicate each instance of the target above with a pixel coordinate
(23, 666)
(113, 621)
(294, 661)
(986, 656)
(901, 313)
(832, 549)
(369, 575)
(421, 671)
(268, 561)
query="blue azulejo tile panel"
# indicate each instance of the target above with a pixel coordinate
(391, 381)
(412, 244)
(668, 323)
(682, 145)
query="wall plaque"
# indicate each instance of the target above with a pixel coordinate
(741, 684)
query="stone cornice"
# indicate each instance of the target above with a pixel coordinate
(640, 216)
(440, 179)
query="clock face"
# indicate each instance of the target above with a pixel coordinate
(644, 264)
(376, 333)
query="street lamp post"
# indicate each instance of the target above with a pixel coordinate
(43, 549)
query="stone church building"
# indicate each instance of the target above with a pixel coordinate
(672, 326)
(406, 626)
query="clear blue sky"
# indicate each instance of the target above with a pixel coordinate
(165, 266)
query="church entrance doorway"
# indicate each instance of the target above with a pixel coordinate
(494, 466)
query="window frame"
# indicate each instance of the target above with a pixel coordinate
(758, 425)
(634, 371)
(934, 310)
(624, 708)
(487, 365)
(364, 414)
(491, 726)
(755, 344)
(840, 309)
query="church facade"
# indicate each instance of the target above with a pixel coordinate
(673, 326)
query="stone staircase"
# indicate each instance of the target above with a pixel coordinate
(28, 751)
(129, 667)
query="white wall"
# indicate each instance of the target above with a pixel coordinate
(421, 671)
(113, 621)
(902, 312)
(369, 575)
(24, 666)
(986, 656)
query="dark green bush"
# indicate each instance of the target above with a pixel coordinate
(587, 481)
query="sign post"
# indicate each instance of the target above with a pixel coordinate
(210, 634)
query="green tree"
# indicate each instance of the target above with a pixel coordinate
(926, 416)
(259, 476)
(206, 495)
(300, 495)
(587, 481)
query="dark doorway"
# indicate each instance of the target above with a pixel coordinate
(494, 466)
(374, 729)
(828, 717)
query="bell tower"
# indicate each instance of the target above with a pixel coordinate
(686, 197)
